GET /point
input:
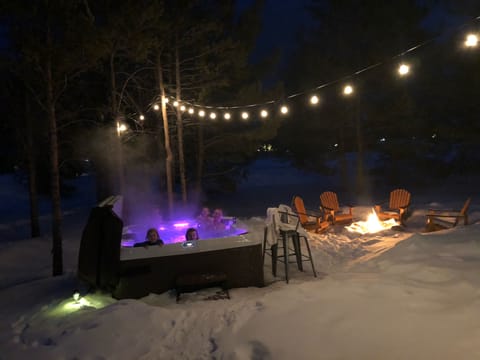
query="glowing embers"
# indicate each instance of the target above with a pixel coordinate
(372, 225)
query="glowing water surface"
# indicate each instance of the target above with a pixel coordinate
(174, 231)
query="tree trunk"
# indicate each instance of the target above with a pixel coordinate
(166, 132)
(361, 180)
(120, 170)
(57, 251)
(343, 159)
(32, 174)
(200, 160)
(181, 156)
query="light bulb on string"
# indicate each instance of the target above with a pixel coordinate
(156, 107)
(165, 100)
(348, 90)
(314, 100)
(191, 111)
(403, 69)
(264, 113)
(141, 117)
(175, 103)
(244, 115)
(183, 108)
(227, 116)
(213, 116)
(471, 40)
(284, 109)
(201, 113)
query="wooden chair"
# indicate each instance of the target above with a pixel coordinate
(439, 219)
(331, 208)
(397, 206)
(310, 220)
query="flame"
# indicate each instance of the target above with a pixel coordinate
(372, 225)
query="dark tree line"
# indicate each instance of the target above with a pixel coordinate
(418, 115)
(75, 70)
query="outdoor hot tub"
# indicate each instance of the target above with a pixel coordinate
(134, 272)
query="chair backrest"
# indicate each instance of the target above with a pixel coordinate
(463, 213)
(287, 215)
(399, 198)
(465, 207)
(300, 209)
(329, 200)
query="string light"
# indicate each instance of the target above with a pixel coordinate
(471, 40)
(403, 69)
(314, 100)
(348, 90)
(141, 117)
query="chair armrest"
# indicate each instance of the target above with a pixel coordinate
(445, 215)
(312, 214)
(443, 210)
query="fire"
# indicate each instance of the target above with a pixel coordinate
(372, 225)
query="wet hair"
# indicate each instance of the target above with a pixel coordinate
(189, 231)
(151, 230)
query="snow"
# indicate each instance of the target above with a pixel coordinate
(390, 295)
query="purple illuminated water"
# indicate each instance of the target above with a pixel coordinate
(174, 232)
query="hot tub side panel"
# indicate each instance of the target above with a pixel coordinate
(243, 267)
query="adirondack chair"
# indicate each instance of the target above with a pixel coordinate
(397, 206)
(310, 220)
(331, 208)
(439, 219)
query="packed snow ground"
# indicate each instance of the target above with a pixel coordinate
(392, 295)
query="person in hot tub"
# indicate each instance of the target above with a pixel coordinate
(152, 238)
(191, 234)
(217, 223)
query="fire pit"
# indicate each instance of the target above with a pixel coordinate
(372, 225)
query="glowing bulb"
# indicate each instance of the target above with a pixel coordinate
(183, 108)
(213, 116)
(471, 40)
(227, 116)
(191, 111)
(165, 100)
(121, 128)
(142, 117)
(314, 100)
(348, 90)
(175, 103)
(264, 113)
(403, 69)
(244, 115)
(201, 113)
(284, 109)
(156, 107)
